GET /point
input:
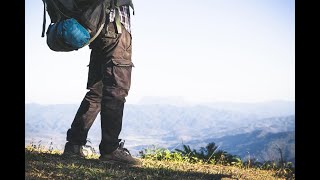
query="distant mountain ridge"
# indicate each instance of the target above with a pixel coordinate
(258, 144)
(162, 124)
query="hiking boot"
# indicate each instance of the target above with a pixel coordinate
(74, 150)
(120, 155)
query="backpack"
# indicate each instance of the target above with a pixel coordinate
(76, 23)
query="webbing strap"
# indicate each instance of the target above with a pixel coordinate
(118, 22)
(44, 18)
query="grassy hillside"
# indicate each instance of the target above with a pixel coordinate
(49, 164)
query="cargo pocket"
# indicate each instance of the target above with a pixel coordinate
(122, 73)
(117, 78)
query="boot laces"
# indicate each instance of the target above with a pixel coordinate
(124, 150)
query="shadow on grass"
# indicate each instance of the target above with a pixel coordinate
(54, 166)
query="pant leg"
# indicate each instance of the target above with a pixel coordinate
(115, 50)
(90, 105)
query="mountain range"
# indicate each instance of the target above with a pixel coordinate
(247, 130)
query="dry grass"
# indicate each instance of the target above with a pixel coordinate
(49, 164)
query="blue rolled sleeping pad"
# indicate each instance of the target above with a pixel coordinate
(67, 35)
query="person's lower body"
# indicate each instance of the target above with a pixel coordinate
(109, 80)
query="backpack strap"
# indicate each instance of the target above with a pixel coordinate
(44, 18)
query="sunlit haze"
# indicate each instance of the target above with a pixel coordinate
(201, 51)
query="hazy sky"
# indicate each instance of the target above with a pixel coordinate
(205, 50)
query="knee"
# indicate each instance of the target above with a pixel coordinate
(94, 94)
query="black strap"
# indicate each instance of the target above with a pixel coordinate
(113, 4)
(44, 18)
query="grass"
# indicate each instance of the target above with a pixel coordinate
(49, 164)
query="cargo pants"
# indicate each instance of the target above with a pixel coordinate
(109, 80)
